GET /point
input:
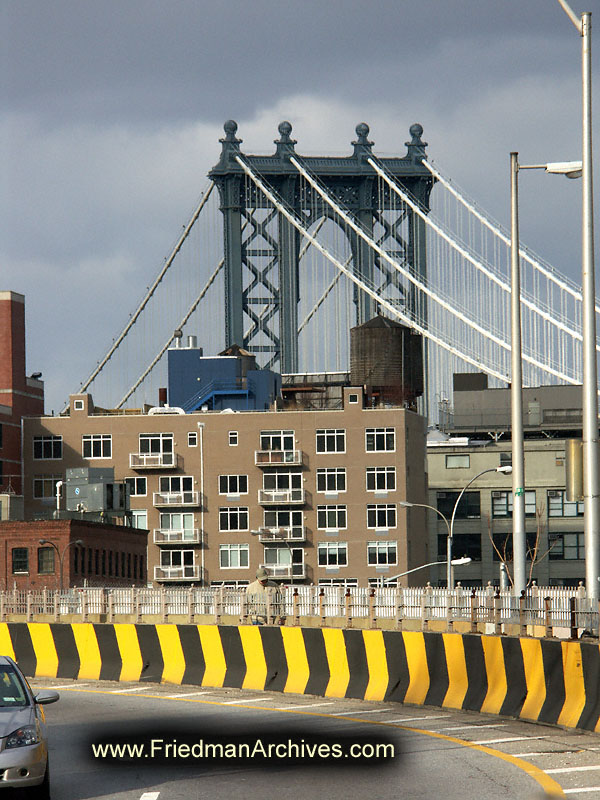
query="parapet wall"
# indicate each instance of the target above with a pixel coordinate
(540, 680)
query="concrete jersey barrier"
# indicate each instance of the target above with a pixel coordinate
(540, 680)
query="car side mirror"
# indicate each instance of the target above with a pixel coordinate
(44, 698)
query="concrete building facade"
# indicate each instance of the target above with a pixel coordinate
(311, 494)
(477, 437)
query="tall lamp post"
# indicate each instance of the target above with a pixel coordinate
(406, 504)
(504, 470)
(456, 562)
(61, 556)
(591, 472)
(571, 169)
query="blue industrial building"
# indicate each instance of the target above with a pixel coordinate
(214, 383)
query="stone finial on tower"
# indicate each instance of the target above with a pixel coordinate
(231, 144)
(362, 146)
(285, 145)
(416, 146)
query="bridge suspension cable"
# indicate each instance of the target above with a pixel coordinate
(360, 282)
(135, 316)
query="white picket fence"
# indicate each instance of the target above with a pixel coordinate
(570, 611)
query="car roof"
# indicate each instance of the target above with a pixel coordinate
(6, 661)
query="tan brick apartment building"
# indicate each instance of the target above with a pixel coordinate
(311, 494)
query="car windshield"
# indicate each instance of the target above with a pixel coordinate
(12, 691)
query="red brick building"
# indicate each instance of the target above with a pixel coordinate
(20, 395)
(109, 555)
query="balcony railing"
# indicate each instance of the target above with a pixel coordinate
(153, 460)
(267, 458)
(295, 533)
(281, 496)
(171, 536)
(176, 498)
(188, 572)
(283, 571)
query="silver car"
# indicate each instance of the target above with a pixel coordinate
(23, 746)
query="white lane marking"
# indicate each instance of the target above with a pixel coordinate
(184, 694)
(572, 769)
(150, 796)
(474, 726)
(415, 719)
(306, 705)
(583, 789)
(542, 753)
(507, 739)
(250, 700)
(137, 689)
(358, 711)
(69, 685)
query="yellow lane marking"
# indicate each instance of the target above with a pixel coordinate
(548, 784)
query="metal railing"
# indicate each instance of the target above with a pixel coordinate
(541, 611)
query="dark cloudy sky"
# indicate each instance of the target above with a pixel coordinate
(112, 110)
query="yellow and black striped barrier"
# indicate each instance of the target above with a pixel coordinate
(549, 681)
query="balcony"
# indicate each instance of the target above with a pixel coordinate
(173, 536)
(176, 498)
(189, 572)
(154, 460)
(276, 497)
(269, 458)
(285, 571)
(295, 533)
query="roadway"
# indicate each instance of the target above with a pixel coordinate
(423, 752)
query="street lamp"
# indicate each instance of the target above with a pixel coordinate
(504, 470)
(591, 472)
(61, 556)
(456, 562)
(571, 169)
(406, 504)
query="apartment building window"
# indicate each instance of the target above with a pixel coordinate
(468, 508)
(502, 504)
(178, 521)
(569, 546)
(139, 518)
(380, 515)
(192, 439)
(506, 459)
(332, 554)
(277, 440)
(157, 444)
(382, 553)
(378, 440)
(46, 448)
(463, 544)
(138, 487)
(44, 486)
(283, 518)
(233, 519)
(176, 484)
(234, 556)
(458, 461)
(20, 561)
(233, 438)
(279, 480)
(381, 479)
(331, 517)
(169, 558)
(96, 445)
(331, 479)
(345, 582)
(233, 484)
(559, 506)
(331, 440)
(45, 558)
